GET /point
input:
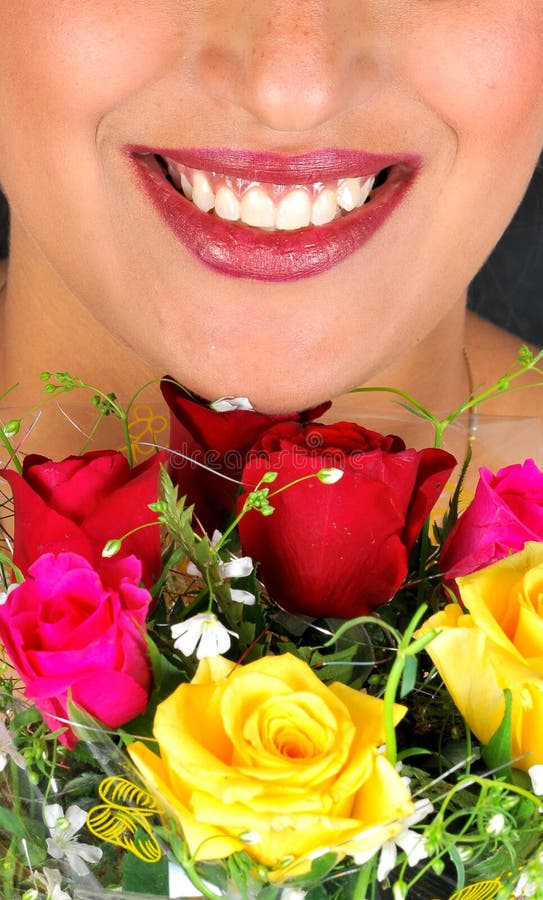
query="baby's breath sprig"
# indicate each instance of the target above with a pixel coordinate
(107, 404)
(526, 361)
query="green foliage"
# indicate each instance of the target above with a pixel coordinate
(497, 753)
(144, 878)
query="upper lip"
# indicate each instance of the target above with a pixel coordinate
(279, 168)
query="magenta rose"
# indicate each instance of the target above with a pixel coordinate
(67, 630)
(220, 441)
(339, 550)
(506, 511)
(81, 502)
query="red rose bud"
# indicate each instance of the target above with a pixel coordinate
(69, 632)
(338, 549)
(80, 503)
(220, 441)
(506, 511)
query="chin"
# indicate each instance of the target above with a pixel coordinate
(274, 397)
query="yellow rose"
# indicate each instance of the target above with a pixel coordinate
(268, 750)
(497, 645)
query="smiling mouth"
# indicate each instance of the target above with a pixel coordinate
(268, 216)
(269, 206)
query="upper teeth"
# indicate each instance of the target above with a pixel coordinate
(265, 205)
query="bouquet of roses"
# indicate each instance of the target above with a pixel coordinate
(252, 660)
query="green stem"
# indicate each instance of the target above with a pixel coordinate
(363, 620)
(292, 483)
(128, 440)
(91, 433)
(393, 682)
(246, 506)
(197, 881)
(11, 450)
(133, 531)
(53, 769)
(8, 391)
(7, 561)
(8, 866)
(423, 410)
(469, 749)
(140, 391)
(233, 525)
(502, 386)
(362, 882)
(406, 648)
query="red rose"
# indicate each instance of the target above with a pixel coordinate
(506, 511)
(81, 502)
(220, 441)
(339, 549)
(68, 631)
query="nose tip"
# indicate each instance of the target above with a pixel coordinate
(289, 76)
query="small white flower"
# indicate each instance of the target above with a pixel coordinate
(250, 837)
(51, 881)
(203, 631)
(536, 775)
(231, 404)
(411, 842)
(523, 887)
(239, 596)
(496, 824)
(8, 749)
(292, 893)
(236, 567)
(63, 843)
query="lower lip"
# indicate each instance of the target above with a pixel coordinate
(243, 252)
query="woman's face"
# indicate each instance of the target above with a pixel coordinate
(263, 108)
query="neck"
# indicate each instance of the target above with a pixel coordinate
(63, 336)
(434, 373)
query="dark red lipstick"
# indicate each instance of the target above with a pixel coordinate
(243, 251)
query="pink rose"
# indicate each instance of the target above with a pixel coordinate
(220, 441)
(81, 502)
(67, 630)
(507, 511)
(341, 549)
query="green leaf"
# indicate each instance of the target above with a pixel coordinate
(322, 865)
(29, 716)
(409, 676)
(497, 753)
(456, 859)
(174, 558)
(413, 410)
(145, 878)
(203, 554)
(11, 823)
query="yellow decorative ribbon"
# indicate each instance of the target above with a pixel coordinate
(123, 818)
(146, 428)
(483, 890)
